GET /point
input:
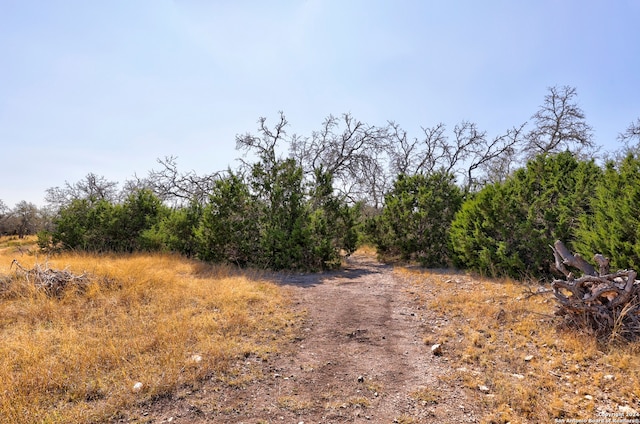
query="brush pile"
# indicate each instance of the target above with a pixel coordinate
(51, 281)
(607, 302)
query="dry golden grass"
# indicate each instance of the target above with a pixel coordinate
(426, 395)
(535, 370)
(366, 250)
(159, 320)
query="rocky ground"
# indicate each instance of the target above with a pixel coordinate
(360, 357)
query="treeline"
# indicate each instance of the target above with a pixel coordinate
(461, 198)
(23, 219)
(269, 218)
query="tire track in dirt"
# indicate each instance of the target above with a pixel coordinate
(360, 358)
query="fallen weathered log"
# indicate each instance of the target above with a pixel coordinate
(564, 257)
(608, 302)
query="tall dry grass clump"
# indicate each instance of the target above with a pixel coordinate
(142, 326)
(518, 360)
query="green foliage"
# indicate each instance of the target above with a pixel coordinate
(416, 219)
(229, 228)
(285, 231)
(333, 224)
(83, 225)
(484, 233)
(101, 226)
(613, 227)
(273, 221)
(141, 211)
(506, 229)
(176, 232)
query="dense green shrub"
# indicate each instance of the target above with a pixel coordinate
(102, 226)
(416, 218)
(506, 229)
(613, 227)
(141, 211)
(274, 221)
(229, 230)
(176, 232)
(285, 234)
(333, 224)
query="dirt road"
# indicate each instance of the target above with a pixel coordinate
(360, 357)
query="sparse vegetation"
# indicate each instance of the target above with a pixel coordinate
(426, 395)
(139, 325)
(158, 320)
(533, 369)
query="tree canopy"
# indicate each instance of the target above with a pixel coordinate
(448, 196)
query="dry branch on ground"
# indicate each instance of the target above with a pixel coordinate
(607, 302)
(52, 281)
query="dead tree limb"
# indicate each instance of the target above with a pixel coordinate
(608, 302)
(560, 252)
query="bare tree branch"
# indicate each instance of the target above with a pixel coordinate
(264, 144)
(351, 151)
(92, 187)
(470, 155)
(560, 125)
(632, 132)
(171, 185)
(434, 143)
(496, 158)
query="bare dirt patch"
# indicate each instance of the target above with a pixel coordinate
(360, 356)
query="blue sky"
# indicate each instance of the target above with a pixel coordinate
(109, 86)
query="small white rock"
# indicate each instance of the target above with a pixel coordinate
(588, 397)
(436, 349)
(609, 377)
(196, 358)
(137, 387)
(483, 389)
(518, 376)
(528, 358)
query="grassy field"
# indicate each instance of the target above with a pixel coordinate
(142, 326)
(514, 357)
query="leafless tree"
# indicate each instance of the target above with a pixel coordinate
(353, 152)
(560, 125)
(469, 155)
(173, 186)
(417, 156)
(467, 141)
(25, 219)
(265, 144)
(92, 187)
(495, 158)
(371, 181)
(630, 140)
(4, 212)
(631, 134)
